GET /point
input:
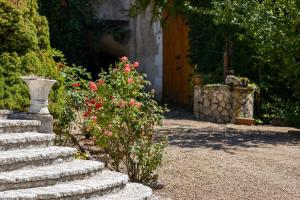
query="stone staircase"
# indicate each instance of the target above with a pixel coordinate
(32, 168)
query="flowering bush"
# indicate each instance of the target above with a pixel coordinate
(122, 116)
(76, 85)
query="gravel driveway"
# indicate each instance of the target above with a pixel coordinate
(209, 161)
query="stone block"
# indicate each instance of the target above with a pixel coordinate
(46, 120)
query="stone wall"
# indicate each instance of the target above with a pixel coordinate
(222, 103)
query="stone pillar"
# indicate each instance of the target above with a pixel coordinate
(243, 102)
(197, 101)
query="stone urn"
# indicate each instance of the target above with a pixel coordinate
(39, 89)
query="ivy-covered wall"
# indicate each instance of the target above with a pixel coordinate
(25, 50)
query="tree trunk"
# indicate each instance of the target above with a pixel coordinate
(226, 57)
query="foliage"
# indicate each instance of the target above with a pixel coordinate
(25, 49)
(76, 81)
(271, 30)
(122, 117)
(72, 25)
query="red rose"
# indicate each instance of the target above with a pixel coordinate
(92, 101)
(76, 84)
(87, 113)
(136, 64)
(93, 86)
(98, 105)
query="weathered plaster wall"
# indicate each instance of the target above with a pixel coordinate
(222, 103)
(146, 46)
(145, 39)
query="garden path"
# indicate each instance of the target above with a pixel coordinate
(214, 161)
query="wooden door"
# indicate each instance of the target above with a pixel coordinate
(177, 71)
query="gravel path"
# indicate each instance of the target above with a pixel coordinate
(209, 161)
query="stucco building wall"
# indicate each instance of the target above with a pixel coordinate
(144, 43)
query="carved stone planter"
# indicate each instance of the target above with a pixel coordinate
(39, 89)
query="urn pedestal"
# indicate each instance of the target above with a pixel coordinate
(39, 89)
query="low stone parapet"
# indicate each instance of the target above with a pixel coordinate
(223, 103)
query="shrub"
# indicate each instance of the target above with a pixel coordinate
(76, 81)
(122, 115)
(25, 49)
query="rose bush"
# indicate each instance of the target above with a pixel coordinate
(122, 115)
(76, 85)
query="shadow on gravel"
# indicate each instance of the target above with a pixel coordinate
(195, 138)
(189, 137)
(219, 140)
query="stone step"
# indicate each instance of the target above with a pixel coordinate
(18, 159)
(4, 114)
(49, 175)
(25, 140)
(19, 126)
(97, 185)
(132, 191)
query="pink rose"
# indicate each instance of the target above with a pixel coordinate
(138, 105)
(100, 82)
(93, 86)
(124, 59)
(136, 64)
(132, 102)
(94, 118)
(122, 103)
(107, 133)
(130, 81)
(127, 68)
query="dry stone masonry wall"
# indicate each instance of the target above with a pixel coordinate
(223, 103)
